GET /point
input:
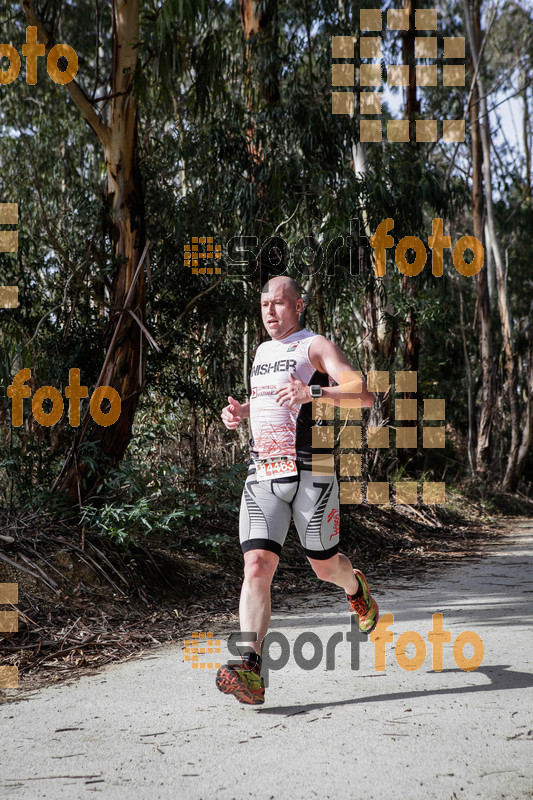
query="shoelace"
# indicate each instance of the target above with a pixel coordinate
(358, 605)
(243, 665)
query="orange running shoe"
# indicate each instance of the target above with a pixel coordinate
(244, 683)
(364, 605)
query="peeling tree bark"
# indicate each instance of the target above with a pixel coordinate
(512, 475)
(488, 367)
(126, 227)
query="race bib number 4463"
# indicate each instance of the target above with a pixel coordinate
(275, 467)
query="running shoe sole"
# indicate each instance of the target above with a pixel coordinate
(229, 683)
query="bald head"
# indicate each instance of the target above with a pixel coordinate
(289, 284)
(281, 306)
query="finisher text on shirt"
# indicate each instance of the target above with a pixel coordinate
(279, 366)
(280, 430)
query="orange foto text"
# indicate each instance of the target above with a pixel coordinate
(381, 242)
(18, 390)
(381, 636)
(32, 50)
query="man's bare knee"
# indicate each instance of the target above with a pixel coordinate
(260, 565)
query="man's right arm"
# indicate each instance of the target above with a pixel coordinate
(234, 413)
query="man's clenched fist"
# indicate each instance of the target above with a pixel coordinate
(232, 414)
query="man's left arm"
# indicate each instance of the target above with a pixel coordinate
(326, 357)
(352, 391)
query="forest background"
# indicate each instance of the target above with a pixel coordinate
(190, 119)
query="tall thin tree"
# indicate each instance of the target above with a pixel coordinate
(124, 366)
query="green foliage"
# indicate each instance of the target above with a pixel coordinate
(222, 155)
(134, 504)
(149, 496)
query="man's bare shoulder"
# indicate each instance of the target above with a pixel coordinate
(321, 344)
(318, 347)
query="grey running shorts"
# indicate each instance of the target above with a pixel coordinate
(311, 500)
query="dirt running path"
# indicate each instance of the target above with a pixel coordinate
(155, 728)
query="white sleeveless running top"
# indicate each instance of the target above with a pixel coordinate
(280, 430)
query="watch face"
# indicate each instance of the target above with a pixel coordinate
(316, 391)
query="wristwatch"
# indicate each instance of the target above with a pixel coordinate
(315, 391)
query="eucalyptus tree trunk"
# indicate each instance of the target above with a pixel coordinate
(512, 474)
(123, 368)
(260, 19)
(469, 383)
(411, 350)
(526, 443)
(526, 130)
(411, 336)
(412, 104)
(259, 25)
(379, 340)
(257, 20)
(488, 367)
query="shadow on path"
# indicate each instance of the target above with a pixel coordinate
(500, 676)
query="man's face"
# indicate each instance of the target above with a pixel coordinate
(280, 309)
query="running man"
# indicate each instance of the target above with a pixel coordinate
(288, 372)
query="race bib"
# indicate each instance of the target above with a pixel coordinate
(275, 467)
